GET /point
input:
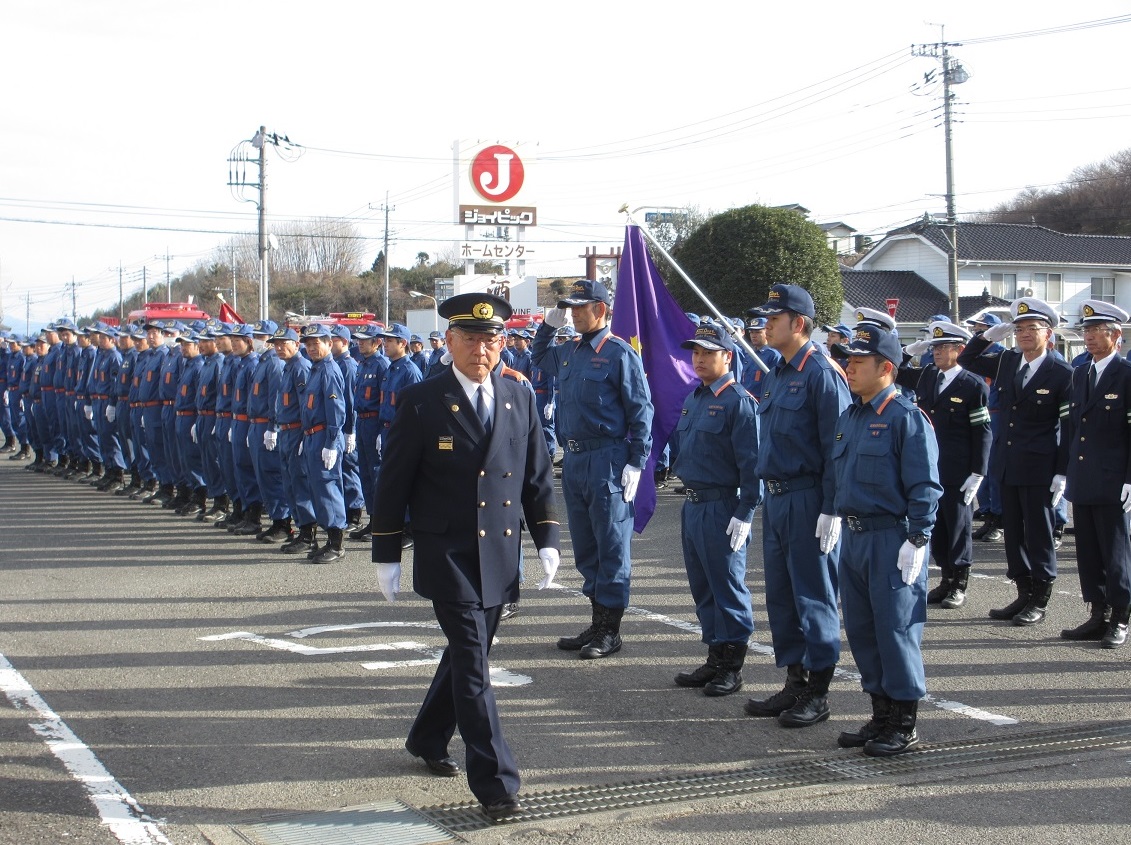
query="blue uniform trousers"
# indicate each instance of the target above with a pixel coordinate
(268, 473)
(244, 469)
(191, 460)
(227, 465)
(352, 489)
(109, 442)
(877, 606)
(210, 447)
(154, 437)
(140, 443)
(295, 483)
(801, 583)
(87, 433)
(952, 545)
(325, 484)
(367, 458)
(600, 522)
(461, 696)
(541, 400)
(19, 418)
(7, 412)
(56, 408)
(1103, 552)
(1026, 517)
(172, 449)
(43, 430)
(716, 574)
(991, 497)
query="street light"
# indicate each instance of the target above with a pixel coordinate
(415, 294)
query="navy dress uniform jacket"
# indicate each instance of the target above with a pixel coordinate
(467, 551)
(1029, 451)
(960, 418)
(1098, 432)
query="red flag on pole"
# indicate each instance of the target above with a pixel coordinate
(228, 314)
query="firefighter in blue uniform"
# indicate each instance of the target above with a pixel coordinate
(186, 418)
(86, 428)
(53, 380)
(227, 391)
(801, 400)
(718, 464)
(15, 367)
(417, 353)
(149, 400)
(246, 360)
(545, 387)
(1031, 456)
(400, 374)
(955, 401)
(6, 415)
(117, 411)
(287, 439)
(371, 370)
(174, 492)
(210, 440)
(604, 417)
(887, 490)
(140, 385)
(38, 378)
(65, 381)
(352, 489)
(268, 468)
(323, 419)
(752, 375)
(104, 384)
(1098, 431)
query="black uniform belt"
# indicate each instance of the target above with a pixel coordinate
(590, 445)
(710, 494)
(874, 523)
(315, 429)
(289, 426)
(790, 485)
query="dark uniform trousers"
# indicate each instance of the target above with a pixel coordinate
(1099, 464)
(1027, 454)
(466, 557)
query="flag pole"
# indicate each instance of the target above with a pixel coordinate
(739, 337)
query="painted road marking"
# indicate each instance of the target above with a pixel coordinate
(119, 811)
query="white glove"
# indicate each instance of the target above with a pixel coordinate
(380, 439)
(828, 531)
(351, 442)
(192, 432)
(1059, 482)
(270, 440)
(143, 422)
(446, 358)
(630, 480)
(970, 488)
(548, 411)
(88, 412)
(247, 440)
(229, 435)
(111, 413)
(917, 348)
(998, 332)
(556, 317)
(1125, 498)
(329, 458)
(300, 446)
(911, 561)
(550, 559)
(389, 579)
(738, 531)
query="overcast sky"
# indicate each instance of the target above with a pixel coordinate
(119, 116)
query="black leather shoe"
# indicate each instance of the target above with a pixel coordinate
(328, 554)
(1092, 628)
(445, 767)
(364, 533)
(509, 610)
(504, 808)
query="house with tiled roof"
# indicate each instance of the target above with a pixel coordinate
(1006, 260)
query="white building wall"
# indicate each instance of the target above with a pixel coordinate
(913, 255)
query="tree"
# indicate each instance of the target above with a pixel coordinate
(736, 256)
(421, 259)
(1094, 200)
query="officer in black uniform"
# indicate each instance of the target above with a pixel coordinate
(1030, 457)
(955, 400)
(1099, 475)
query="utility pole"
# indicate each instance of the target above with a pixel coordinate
(121, 298)
(953, 73)
(144, 286)
(74, 304)
(168, 280)
(27, 313)
(263, 271)
(386, 208)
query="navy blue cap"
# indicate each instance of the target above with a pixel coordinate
(314, 330)
(189, 337)
(238, 330)
(583, 292)
(710, 336)
(264, 327)
(370, 331)
(871, 339)
(65, 324)
(986, 319)
(839, 328)
(435, 335)
(341, 332)
(416, 339)
(756, 323)
(695, 318)
(285, 333)
(784, 298)
(566, 331)
(397, 330)
(198, 326)
(102, 328)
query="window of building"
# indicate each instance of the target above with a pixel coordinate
(1103, 288)
(1048, 286)
(1003, 285)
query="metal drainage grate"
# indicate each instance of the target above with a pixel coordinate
(848, 766)
(380, 823)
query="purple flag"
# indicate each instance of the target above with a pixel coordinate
(646, 315)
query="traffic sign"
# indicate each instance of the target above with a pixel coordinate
(892, 305)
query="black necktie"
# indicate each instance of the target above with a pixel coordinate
(481, 410)
(1091, 381)
(941, 384)
(1024, 371)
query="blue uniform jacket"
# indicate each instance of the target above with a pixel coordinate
(348, 366)
(602, 390)
(367, 388)
(401, 373)
(325, 402)
(292, 391)
(801, 401)
(265, 381)
(208, 382)
(886, 459)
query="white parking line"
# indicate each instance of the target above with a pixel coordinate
(118, 810)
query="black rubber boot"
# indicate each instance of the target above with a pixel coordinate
(217, 512)
(728, 677)
(1034, 611)
(1117, 629)
(937, 594)
(699, 677)
(956, 597)
(813, 704)
(252, 521)
(235, 519)
(606, 639)
(899, 734)
(881, 711)
(1024, 586)
(581, 640)
(301, 544)
(332, 551)
(279, 531)
(1093, 628)
(796, 680)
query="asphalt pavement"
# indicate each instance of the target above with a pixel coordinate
(166, 681)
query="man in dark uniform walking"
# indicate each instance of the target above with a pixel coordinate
(473, 439)
(1031, 456)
